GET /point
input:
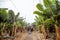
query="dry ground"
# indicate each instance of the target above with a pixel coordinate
(29, 36)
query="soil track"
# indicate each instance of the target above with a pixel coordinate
(29, 36)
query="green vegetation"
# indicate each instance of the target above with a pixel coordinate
(48, 15)
(9, 22)
(47, 19)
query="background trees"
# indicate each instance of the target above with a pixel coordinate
(9, 22)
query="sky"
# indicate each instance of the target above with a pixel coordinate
(25, 7)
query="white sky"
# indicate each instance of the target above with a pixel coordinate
(25, 7)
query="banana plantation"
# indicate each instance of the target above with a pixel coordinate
(45, 27)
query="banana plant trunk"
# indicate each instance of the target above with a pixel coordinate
(1, 34)
(43, 31)
(15, 30)
(57, 32)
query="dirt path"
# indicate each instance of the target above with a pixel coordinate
(29, 36)
(37, 36)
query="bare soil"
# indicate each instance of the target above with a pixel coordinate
(30, 36)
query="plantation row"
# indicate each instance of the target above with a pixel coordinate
(48, 17)
(47, 20)
(10, 22)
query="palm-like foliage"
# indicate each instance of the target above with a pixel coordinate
(50, 14)
(9, 21)
(3, 15)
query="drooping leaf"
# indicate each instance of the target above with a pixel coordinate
(37, 12)
(46, 3)
(41, 19)
(17, 16)
(53, 1)
(40, 7)
(48, 21)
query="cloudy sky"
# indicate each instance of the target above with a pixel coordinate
(25, 7)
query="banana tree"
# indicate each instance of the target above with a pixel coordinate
(54, 6)
(38, 22)
(11, 20)
(14, 20)
(51, 10)
(44, 14)
(54, 9)
(3, 18)
(23, 24)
